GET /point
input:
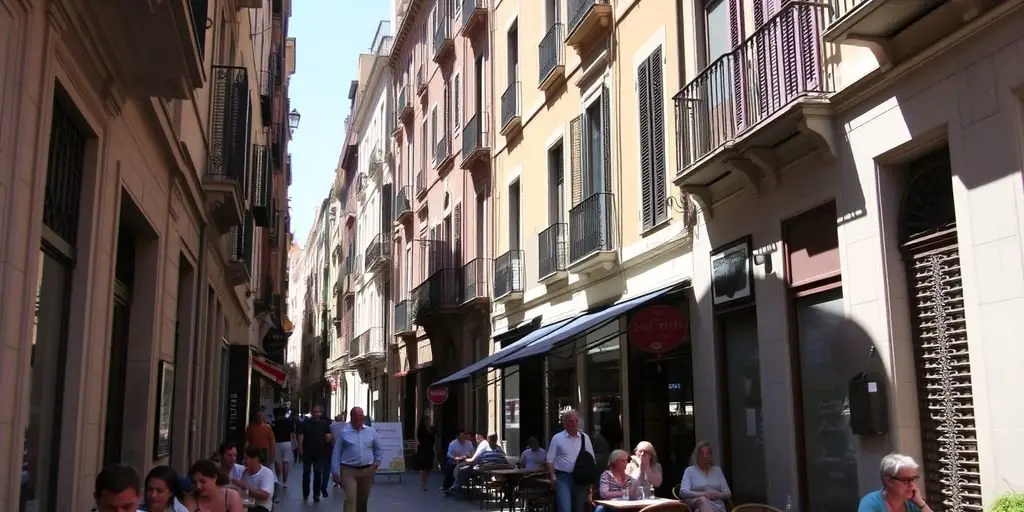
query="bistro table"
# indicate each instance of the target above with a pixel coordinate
(633, 504)
(510, 477)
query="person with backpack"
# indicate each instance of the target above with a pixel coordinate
(571, 464)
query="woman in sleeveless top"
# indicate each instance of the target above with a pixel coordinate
(210, 494)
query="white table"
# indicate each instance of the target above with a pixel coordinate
(633, 504)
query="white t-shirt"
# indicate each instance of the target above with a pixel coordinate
(263, 480)
(533, 459)
(563, 450)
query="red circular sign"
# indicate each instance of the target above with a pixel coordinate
(437, 395)
(657, 329)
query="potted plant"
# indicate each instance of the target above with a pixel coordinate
(1009, 502)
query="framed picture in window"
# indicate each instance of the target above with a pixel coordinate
(164, 410)
(732, 273)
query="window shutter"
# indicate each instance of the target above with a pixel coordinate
(457, 235)
(659, 165)
(385, 210)
(435, 241)
(576, 158)
(447, 115)
(643, 86)
(457, 104)
(790, 66)
(606, 149)
(808, 34)
(738, 83)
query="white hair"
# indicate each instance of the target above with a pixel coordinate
(568, 412)
(893, 463)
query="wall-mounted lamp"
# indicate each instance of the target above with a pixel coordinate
(293, 119)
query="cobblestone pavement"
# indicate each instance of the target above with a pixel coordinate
(388, 495)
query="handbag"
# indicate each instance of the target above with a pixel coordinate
(584, 472)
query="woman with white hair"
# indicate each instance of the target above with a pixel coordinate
(615, 483)
(703, 487)
(644, 468)
(899, 492)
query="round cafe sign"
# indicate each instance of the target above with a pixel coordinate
(437, 395)
(657, 329)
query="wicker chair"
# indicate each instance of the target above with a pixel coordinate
(755, 507)
(728, 503)
(535, 494)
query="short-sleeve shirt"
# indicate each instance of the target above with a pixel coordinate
(260, 436)
(283, 431)
(563, 450)
(874, 502)
(264, 480)
(533, 459)
(314, 435)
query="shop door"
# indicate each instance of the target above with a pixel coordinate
(661, 408)
(944, 387)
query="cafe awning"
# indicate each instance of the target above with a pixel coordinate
(504, 352)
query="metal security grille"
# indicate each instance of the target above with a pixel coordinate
(64, 174)
(945, 391)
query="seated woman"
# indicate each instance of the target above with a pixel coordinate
(703, 487)
(643, 467)
(615, 483)
(899, 492)
(210, 491)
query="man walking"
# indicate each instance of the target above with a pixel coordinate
(570, 462)
(357, 456)
(312, 441)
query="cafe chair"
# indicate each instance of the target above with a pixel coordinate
(755, 507)
(535, 494)
(668, 506)
(728, 504)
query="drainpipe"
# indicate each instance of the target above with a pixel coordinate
(196, 335)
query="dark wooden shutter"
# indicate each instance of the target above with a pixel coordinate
(576, 158)
(435, 242)
(643, 84)
(200, 11)
(790, 66)
(457, 235)
(738, 84)
(808, 36)
(447, 115)
(658, 159)
(386, 196)
(606, 137)
(456, 104)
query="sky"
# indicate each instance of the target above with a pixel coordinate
(330, 35)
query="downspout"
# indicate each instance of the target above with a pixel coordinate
(196, 334)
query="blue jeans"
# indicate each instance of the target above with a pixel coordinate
(600, 508)
(569, 497)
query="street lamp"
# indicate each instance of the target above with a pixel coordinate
(293, 119)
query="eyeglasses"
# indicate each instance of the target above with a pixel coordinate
(908, 480)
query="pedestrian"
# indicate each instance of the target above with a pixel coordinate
(571, 464)
(259, 435)
(357, 455)
(284, 446)
(117, 488)
(312, 441)
(425, 450)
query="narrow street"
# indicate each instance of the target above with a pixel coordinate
(388, 495)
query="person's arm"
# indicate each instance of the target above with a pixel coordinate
(233, 501)
(378, 455)
(272, 443)
(604, 487)
(919, 501)
(451, 451)
(300, 432)
(339, 444)
(686, 485)
(654, 475)
(549, 459)
(726, 493)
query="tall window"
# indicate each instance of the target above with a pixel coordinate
(513, 216)
(512, 40)
(651, 110)
(593, 179)
(478, 83)
(551, 12)
(556, 184)
(481, 223)
(717, 29)
(456, 104)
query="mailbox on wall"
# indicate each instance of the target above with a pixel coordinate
(869, 405)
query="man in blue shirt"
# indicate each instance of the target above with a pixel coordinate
(357, 456)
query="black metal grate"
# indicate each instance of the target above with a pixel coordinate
(229, 149)
(64, 174)
(261, 186)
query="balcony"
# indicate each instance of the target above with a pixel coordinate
(588, 20)
(268, 91)
(755, 110)
(403, 320)
(511, 109)
(421, 81)
(226, 171)
(443, 153)
(896, 30)
(476, 282)
(551, 57)
(240, 240)
(591, 230)
(508, 276)
(403, 204)
(444, 45)
(476, 141)
(404, 107)
(552, 253)
(261, 185)
(368, 346)
(474, 16)
(437, 295)
(378, 252)
(421, 184)
(158, 47)
(357, 267)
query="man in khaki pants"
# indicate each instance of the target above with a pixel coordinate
(355, 461)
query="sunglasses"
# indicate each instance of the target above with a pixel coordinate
(908, 480)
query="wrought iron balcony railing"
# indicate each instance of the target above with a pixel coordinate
(378, 251)
(551, 52)
(552, 251)
(229, 124)
(421, 80)
(421, 183)
(404, 106)
(780, 62)
(476, 280)
(472, 11)
(508, 274)
(261, 183)
(511, 106)
(578, 10)
(476, 141)
(403, 203)
(369, 344)
(442, 152)
(591, 226)
(402, 318)
(442, 38)
(437, 294)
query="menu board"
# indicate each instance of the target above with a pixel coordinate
(391, 447)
